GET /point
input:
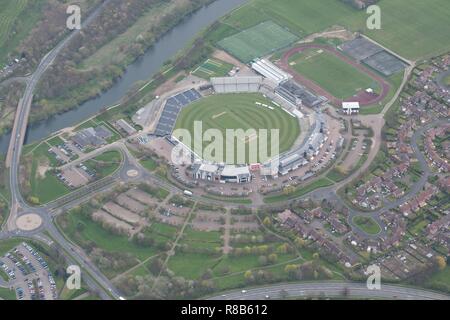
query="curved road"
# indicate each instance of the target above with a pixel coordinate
(331, 289)
(18, 205)
(94, 278)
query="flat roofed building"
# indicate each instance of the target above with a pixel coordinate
(206, 171)
(236, 84)
(298, 95)
(91, 137)
(236, 174)
(350, 107)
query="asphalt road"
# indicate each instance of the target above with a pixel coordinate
(93, 277)
(331, 290)
(18, 205)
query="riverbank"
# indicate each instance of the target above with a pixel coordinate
(142, 69)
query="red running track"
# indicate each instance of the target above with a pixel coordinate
(362, 97)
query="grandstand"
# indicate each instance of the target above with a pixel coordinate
(270, 71)
(236, 84)
(297, 94)
(171, 110)
(302, 154)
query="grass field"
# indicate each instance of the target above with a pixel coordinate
(300, 191)
(257, 41)
(105, 164)
(46, 188)
(7, 294)
(441, 279)
(212, 68)
(395, 81)
(81, 228)
(228, 199)
(239, 111)
(149, 164)
(367, 224)
(336, 76)
(412, 28)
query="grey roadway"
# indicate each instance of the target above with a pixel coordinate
(331, 289)
(129, 162)
(328, 193)
(18, 205)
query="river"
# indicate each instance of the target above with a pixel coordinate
(142, 69)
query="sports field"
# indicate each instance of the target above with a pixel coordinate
(257, 41)
(240, 111)
(333, 74)
(412, 28)
(212, 68)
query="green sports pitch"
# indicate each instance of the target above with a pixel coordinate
(258, 41)
(412, 28)
(212, 68)
(336, 76)
(240, 111)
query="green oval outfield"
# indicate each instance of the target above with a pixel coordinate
(240, 111)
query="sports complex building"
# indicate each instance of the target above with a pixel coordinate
(276, 85)
(221, 173)
(236, 84)
(286, 88)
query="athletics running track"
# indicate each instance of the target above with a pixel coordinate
(362, 97)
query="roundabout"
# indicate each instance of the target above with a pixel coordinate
(29, 222)
(132, 173)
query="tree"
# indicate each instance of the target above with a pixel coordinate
(292, 271)
(267, 221)
(299, 242)
(283, 249)
(273, 257)
(33, 200)
(249, 277)
(441, 262)
(288, 190)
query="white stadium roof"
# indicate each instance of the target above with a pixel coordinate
(270, 71)
(350, 105)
